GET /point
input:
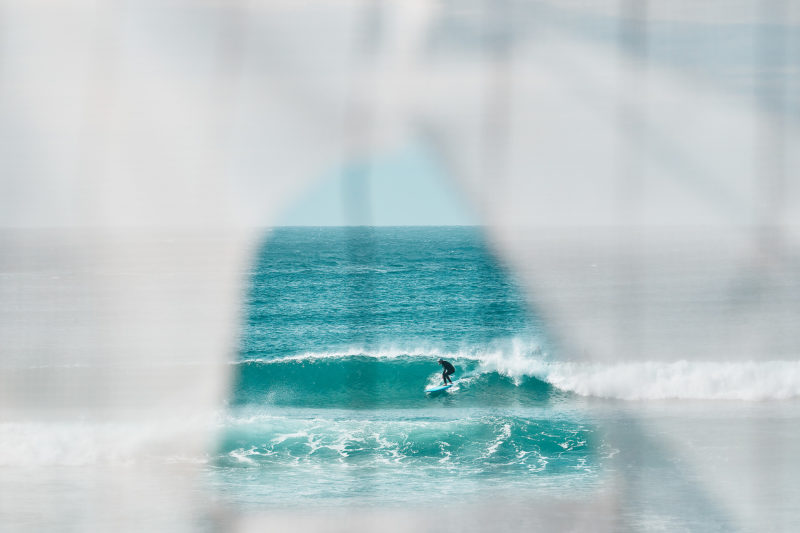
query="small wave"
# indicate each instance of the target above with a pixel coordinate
(500, 349)
(388, 354)
(473, 444)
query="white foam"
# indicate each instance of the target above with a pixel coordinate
(765, 380)
(243, 456)
(29, 444)
(649, 380)
(505, 433)
(503, 347)
(388, 353)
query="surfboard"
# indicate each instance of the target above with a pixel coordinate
(439, 388)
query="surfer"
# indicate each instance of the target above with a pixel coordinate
(448, 369)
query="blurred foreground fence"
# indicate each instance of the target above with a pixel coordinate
(635, 162)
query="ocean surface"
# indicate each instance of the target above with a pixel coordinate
(342, 331)
(325, 411)
(341, 334)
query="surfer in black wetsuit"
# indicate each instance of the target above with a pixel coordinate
(448, 369)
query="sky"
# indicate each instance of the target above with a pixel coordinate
(404, 188)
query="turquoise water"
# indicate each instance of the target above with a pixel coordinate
(342, 332)
(318, 290)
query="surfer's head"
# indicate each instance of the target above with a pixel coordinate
(440, 360)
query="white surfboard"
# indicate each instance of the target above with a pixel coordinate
(439, 388)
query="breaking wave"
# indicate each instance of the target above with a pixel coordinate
(396, 378)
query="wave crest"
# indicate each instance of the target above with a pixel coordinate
(394, 377)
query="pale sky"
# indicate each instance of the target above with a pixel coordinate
(405, 188)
